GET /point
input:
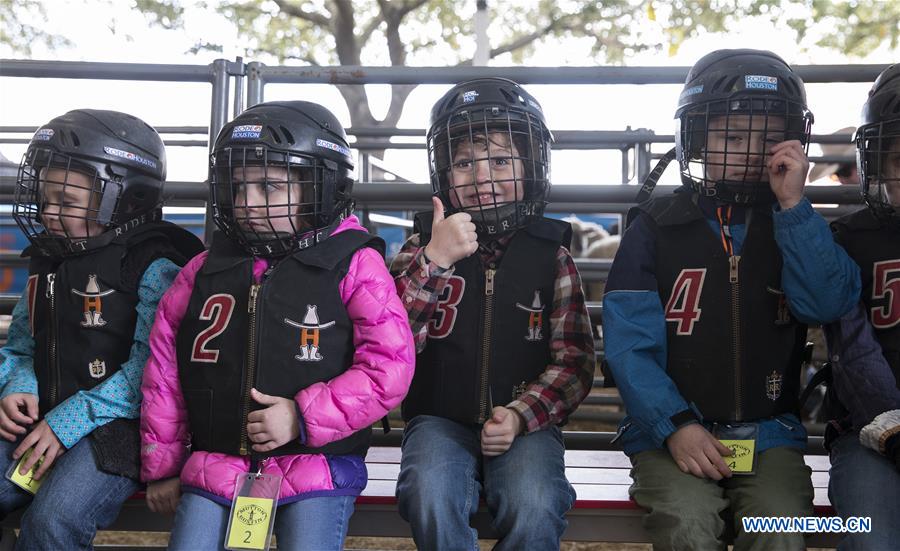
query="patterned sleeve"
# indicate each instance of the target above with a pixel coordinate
(17, 367)
(419, 283)
(568, 378)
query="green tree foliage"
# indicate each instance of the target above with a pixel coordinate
(438, 32)
(433, 32)
(20, 26)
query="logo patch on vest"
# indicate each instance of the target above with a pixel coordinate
(97, 368)
(93, 308)
(782, 312)
(535, 319)
(773, 385)
(309, 334)
(519, 390)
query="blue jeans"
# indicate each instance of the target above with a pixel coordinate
(863, 483)
(443, 473)
(317, 523)
(75, 500)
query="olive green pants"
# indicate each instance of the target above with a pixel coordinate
(686, 513)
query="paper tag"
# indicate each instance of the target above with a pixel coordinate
(26, 481)
(743, 451)
(249, 524)
(252, 516)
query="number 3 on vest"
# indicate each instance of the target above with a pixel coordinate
(445, 312)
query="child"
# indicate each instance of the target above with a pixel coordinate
(864, 346)
(505, 352)
(88, 196)
(705, 308)
(277, 350)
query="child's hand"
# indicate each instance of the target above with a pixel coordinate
(274, 426)
(697, 452)
(45, 443)
(452, 239)
(499, 431)
(163, 495)
(12, 420)
(788, 167)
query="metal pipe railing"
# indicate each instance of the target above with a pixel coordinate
(33, 68)
(385, 196)
(255, 84)
(533, 75)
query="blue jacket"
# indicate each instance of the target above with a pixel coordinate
(820, 281)
(861, 377)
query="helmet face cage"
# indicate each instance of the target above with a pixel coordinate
(878, 155)
(271, 202)
(59, 201)
(725, 144)
(492, 162)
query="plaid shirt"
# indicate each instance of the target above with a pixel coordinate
(568, 378)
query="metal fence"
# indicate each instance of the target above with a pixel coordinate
(234, 84)
(252, 77)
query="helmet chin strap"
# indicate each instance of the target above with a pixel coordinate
(759, 193)
(492, 222)
(105, 238)
(653, 178)
(722, 190)
(292, 243)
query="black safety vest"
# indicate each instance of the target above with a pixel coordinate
(487, 340)
(875, 246)
(734, 348)
(294, 333)
(82, 308)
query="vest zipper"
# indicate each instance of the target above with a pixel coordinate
(251, 366)
(486, 341)
(54, 368)
(733, 273)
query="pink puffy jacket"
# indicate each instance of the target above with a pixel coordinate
(375, 383)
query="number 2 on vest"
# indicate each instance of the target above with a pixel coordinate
(217, 308)
(683, 305)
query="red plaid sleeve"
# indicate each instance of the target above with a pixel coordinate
(419, 284)
(568, 378)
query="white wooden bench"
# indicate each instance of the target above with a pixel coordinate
(603, 511)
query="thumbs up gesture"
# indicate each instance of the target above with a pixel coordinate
(452, 238)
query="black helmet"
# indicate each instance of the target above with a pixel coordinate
(114, 161)
(878, 145)
(297, 143)
(497, 121)
(752, 92)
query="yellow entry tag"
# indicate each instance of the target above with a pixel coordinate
(26, 481)
(743, 453)
(252, 516)
(250, 523)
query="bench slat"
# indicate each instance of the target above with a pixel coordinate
(602, 510)
(581, 458)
